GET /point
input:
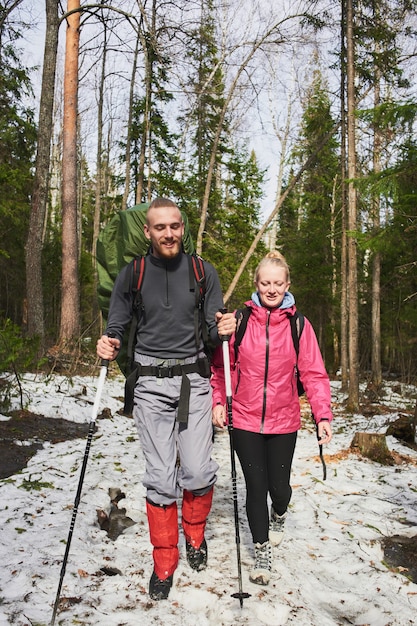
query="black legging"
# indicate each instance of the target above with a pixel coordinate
(266, 463)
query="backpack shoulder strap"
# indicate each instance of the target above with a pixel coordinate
(197, 276)
(137, 279)
(297, 326)
(137, 274)
(242, 316)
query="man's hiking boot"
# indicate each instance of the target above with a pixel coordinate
(276, 527)
(159, 589)
(197, 557)
(261, 572)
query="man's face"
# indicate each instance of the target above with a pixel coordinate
(164, 229)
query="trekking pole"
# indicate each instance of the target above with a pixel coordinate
(226, 362)
(99, 391)
(323, 463)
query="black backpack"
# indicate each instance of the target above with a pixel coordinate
(297, 326)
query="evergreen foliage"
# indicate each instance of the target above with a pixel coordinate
(180, 97)
(399, 275)
(206, 84)
(17, 151)
(305, 222)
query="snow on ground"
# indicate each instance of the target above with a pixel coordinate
(328, 571)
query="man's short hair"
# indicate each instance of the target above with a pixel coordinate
(160, 202)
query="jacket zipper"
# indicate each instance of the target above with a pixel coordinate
(266, 369)
(166, 286)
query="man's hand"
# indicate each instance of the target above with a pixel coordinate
(226, 324)
(108, 347)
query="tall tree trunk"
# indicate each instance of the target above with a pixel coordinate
(353, 399)
(70, 301)
(99, 168)
(333, 247)
(148, 43)
(99, 155)
(34, 245)
(376, 367)
(128, 149)
(344, 317)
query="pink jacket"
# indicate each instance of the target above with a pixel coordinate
(264, 384)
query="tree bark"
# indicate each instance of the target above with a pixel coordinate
(99, 155)
(34, 245)
(344, 317)
(70, 305)
(353, 399)
(129, 127)
(376, 367)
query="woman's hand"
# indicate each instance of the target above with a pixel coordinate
(324, 432)
(219, 416)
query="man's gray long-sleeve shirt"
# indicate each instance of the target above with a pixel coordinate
(166, 327)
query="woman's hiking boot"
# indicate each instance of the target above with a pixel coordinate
(197, 557)
(159, 589)
(261, 572)
(276, 527)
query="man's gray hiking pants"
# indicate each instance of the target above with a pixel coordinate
(177, 455)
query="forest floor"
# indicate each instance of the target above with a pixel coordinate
(350, 553)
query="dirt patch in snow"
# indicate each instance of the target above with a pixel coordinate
(24, 433)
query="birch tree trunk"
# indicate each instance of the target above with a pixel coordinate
(70, 300)
(148, 44)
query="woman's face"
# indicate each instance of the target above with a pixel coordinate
(272, 283)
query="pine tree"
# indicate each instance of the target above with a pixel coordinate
(206, 87)
(305, 221)
(379, 30)
(17, 152)
(234, 234)
(153, 150)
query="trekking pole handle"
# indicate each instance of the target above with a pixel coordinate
(224, 337)
(226, 362)
(105, 362)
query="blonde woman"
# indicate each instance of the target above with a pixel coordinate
(266, 408)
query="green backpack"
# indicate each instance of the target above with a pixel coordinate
(122, 240)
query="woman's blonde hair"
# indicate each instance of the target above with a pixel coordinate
(275, 258)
